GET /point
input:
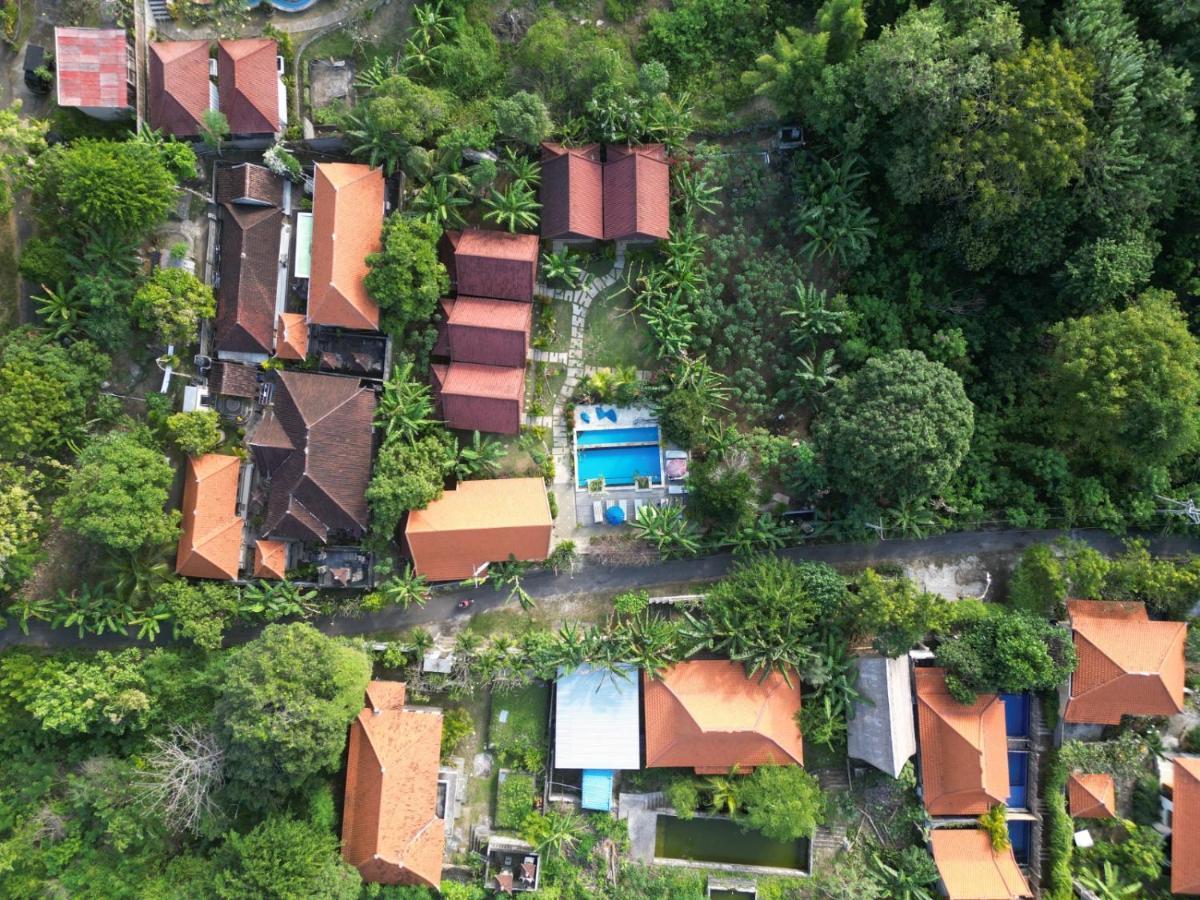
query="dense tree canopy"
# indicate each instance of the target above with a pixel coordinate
(406, 278)
(171, 304)
(1007, 652)
(896, 429)
(283, 723)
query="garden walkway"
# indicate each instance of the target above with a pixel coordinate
(581, 300)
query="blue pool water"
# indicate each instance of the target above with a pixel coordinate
(618, 465)
(618, 436)
(285, 5)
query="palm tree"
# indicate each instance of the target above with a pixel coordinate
(405, 589)
(669, 319)
(91, 611)
(381, 69)
(1108, 884)
(133, 577)
(419, 641)
(405, 408)
(214, 128)
(763, 533)
(149, 622)
(521, 169)
(724, 794)
(561, 267)
(381, 146)
(912, 517)
(516, 207)
(480, 458)
(813, 377)
(559, 832)
(61, 310)
(695, 190)
(838, 225)
(668, 530)
(439, 202)
(430, 19)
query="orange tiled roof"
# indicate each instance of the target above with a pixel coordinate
(964, 749)
(210, 545)
(708, 715)
(390, 828)
(270, 559)
(1091, 796)
(479, 522)
(291, 336)
(1185, 827)
(1128, 664)
(972, 870)
(347, 227)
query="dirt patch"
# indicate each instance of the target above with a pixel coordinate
(64, 558)
(974, 577)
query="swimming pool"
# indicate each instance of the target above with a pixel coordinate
(619, 465)
(617, 436)
(285, 5)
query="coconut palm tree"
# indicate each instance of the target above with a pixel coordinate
(61, 310)
(513, 208)
(430, 19)
(418, 641)
(724, 793)
(439, 202)
(133, 577)
(520, 168)
(560, 267)
(405, 589)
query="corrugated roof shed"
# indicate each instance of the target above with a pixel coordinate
(92, 67)
(1128, 664)
(882, 731)
(480, 522)
(596, 720)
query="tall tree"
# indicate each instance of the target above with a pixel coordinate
(406, 278)
(20, 140)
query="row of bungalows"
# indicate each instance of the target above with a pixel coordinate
(621, 192)
(310, 433)
(975, 756)
(478, 377)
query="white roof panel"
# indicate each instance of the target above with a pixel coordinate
(596, 720)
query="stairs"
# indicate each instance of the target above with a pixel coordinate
(830, 839)
(158, 8)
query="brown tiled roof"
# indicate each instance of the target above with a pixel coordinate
(964, 749)
(233, 380)
(710, 716)
(92, 67)
(482, 398)
(479, 522)
(489, 332)
(495, 264)
(315, 443)
(210, 545)
(972, 870)
(291, 336)
(179, 86)
(1185, 827)
(637, 193)
(248, 82)
(441, 346)
(390, 828)
(249, 278)
(270, 559)
(347, 227)
(1128, 664)
(1091, 796)
(249, 183)
(572, 192)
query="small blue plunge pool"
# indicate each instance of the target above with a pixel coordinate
(618, 455)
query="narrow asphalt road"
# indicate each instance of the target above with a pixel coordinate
(545, 587)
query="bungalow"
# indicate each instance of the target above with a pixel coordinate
(250, 88)
(393, 830)
(95, 71)
(487, 332)
(494, 264)
(572, 192)
(210, 542)
(472, 397)
(180, 90)
(971, 869)
(710, 716)
(637, 193)
(1185, 827)
(964, 749)
(315, 445)
(271, 559)
(1128, 664)
(1091, 796)
(477, 523)
(348, 206)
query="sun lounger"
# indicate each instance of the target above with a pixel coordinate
(637, 506)
(598, 512)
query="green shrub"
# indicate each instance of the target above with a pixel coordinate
(1146, 800)
(1038, 586)
(1060, 833)
(514, 800)
(995, 823)
(684, 796)
(456, 725)
(631, 603)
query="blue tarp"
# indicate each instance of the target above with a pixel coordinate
(597, 789)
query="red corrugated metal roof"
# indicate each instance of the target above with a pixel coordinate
(92, 67)
(1128, 664)
(248, 82)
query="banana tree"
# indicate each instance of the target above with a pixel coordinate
(513, 208)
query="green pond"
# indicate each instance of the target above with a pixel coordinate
(721, 841)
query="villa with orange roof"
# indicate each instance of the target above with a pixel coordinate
(393, 826)
(970, 869)
(348, 206)
(710, 716)
(210, 543)
(1129, 665)
(1091, 796)
(964, 749)
(1185, 826)
(477, 523)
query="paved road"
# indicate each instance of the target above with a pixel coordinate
(546, 587)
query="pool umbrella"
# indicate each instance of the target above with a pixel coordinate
(615, 515)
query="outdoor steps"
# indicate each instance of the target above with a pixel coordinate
(158, 9)
(827, 842)
(833, 779)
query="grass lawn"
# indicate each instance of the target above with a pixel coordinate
(542, 384)
(558, 337)
(612, 334)
(517, 730)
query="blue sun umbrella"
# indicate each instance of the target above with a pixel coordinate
(615, 515)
